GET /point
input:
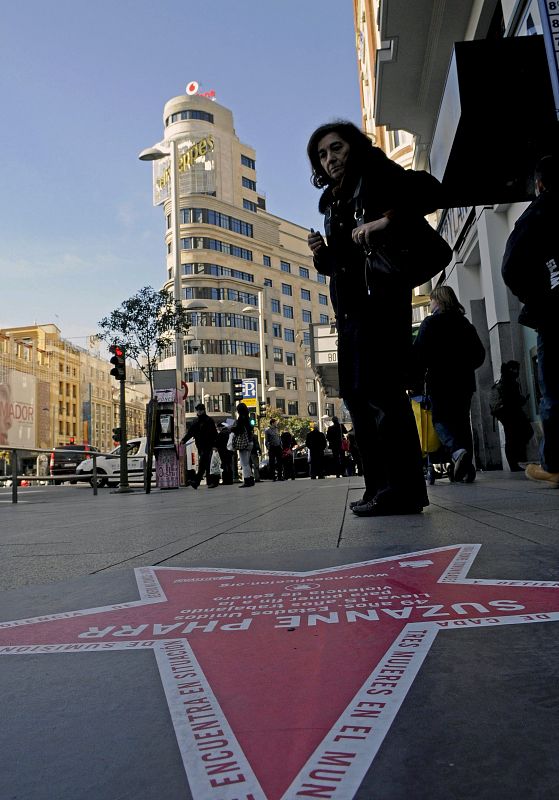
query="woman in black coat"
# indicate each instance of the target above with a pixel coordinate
(370, 201)
(447, 351)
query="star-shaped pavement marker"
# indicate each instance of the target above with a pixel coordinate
(313, 666)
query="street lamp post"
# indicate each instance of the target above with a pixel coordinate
(197, 306)
(260, 312)
(159, 151)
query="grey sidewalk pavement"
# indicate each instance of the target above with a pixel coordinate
(481, 715)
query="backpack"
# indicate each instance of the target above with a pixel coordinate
(496, 400)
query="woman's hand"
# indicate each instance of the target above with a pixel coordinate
(364, 234)
(315, 242)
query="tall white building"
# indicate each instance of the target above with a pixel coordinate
(231, 251)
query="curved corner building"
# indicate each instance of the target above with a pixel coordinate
(231, 251)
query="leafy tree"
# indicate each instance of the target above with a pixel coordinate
(298, 426)
(145, 324)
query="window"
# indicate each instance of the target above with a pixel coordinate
(288, 312)
(268, 282)
(204, 243)
(320, 278)
(310, 385)
(312, 409)
(291, 384)
(276, 330)
(303, 272)
(293, 408)
(307, 316)
(289, 335)
(286, 289)
(275, 306)
(267, 261)
(280, 404)
(207, 216)
(324, 319)
(279, 379)
(305, 294)
(248, 184)
(246, 161)
(249, 205)
(217, 270)
(323, 299)
(290, 359)
(306, 338)
(285, 266)
(190, 114)
(278, 354)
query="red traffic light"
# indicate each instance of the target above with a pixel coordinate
(119, 362)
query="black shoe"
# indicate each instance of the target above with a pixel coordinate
(376, 509)
(462, 465)
(365, 499)
(193, 484)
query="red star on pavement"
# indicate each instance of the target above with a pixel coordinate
(283, 685)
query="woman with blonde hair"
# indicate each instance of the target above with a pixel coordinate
(447, 352)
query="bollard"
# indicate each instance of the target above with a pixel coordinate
(94, 473)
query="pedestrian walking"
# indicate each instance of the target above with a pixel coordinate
(204, 433)
(255, 454)
(531, 271)
(288, 442)
(316, 444)
(242, 442)
(447, 351)
(334, 436)
(273, 446)
(378, 246)
(507, 405)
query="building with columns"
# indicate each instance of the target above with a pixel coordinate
(475, 84)
(234, 255)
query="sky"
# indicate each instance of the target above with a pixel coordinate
(82, 90)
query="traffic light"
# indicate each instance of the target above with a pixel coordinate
(252, 415)
(262, 408)
(116, 435)
(237, 390)
(119, 361)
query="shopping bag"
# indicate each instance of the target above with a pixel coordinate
(430, 442)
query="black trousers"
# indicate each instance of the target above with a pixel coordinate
(275, 455)
(204, 459)
(387, 438)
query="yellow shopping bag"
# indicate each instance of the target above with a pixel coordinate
(430, 442)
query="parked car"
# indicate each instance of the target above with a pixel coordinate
(108, 467)
(301, 462)
(65, 459)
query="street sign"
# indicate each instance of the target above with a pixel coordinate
(250, 392)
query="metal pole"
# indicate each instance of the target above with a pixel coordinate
(14, 476)
(261, 345)
(319, 405)
(176, 250)
(123, 484)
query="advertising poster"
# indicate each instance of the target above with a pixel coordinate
(17, 409)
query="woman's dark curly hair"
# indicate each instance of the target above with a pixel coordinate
(360, 148)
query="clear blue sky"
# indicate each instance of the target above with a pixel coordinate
(82, 89)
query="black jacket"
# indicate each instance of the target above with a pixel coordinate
(203, 431)
(315, 440)
(448, 351)
(373, 312)
(531, 262)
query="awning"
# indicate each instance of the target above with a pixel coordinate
(496, 119)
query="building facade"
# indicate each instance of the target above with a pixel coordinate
(473, 83)
(54, 393)
(240, 267)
